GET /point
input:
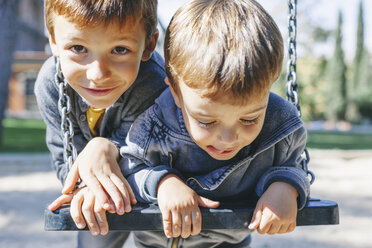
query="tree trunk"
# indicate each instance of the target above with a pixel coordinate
(8, 36)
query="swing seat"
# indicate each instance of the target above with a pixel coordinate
(147, 217)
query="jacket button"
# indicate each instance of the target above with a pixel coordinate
(83, 117)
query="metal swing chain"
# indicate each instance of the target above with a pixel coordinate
(292, 86)
(64, 107)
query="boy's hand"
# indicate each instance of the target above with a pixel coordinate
(98, 168)
(84, 210)
(179, 207)
(276, 210)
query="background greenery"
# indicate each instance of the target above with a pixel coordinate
(330, 87)
(28, 136)
(23, 136)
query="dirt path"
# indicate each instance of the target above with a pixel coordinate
(27, 185)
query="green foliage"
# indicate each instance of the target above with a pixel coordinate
(339, 140)
(336, 92)
(329, 88)
(363, 96)
(23, 136)
(360, 101)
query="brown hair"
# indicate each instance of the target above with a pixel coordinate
(88, 12)
(225, 47)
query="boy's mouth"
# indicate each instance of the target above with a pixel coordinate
(99, 92)
(216, 151)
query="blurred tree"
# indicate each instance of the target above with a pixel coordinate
(336, 92)
(313, 79)
(8, 35)
(363, 99)
(353, 113)
(360, 100)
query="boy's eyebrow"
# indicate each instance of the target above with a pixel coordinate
(125, 37)
(260, 108)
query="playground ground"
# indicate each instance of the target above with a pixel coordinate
(27, 185)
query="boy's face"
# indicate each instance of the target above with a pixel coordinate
(219, 128)
(100, 62)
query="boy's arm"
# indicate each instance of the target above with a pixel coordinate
(289, 168)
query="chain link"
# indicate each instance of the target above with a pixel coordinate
(64, 107)
(292, 86)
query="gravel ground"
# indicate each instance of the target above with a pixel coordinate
(27, 185)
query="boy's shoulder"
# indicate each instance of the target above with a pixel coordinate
(48, 69)
(45, 81)
(168, 114)
(155, 63)
(164, 114)
(281, 120)
(280, 107)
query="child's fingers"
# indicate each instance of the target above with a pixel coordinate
(122, 186)
(112, 192)
(71, 179)
(265, 224)
(256, 219)
(283, 228)
(291, 227)
(196, 222)
(89, 215)
(75, 210)
(57, 203)
(186, 225)
(100, 215)
(100, 194)
(132, 197)
(167, 223)
(274, 229)
(176, 224)
(207, 203)
(264, 228)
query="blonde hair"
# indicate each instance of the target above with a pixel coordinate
(89, 12)
(225, 47)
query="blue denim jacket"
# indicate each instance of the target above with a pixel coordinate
(158, 144)
(117, 119)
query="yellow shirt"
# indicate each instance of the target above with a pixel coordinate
(94, 117)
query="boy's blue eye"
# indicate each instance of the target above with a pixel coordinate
(78, 49)
(120, 50)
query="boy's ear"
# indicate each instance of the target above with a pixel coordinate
(53, 46)
(150, 46)
(175, 95)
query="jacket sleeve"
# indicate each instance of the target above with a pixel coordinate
(144, 163)
(288, 167)
(46, 92)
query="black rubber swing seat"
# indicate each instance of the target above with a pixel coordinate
(147, 217)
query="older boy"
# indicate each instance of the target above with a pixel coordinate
(105, 51)
(218, 134)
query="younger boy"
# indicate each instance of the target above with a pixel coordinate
(218, 134)
(104, 52)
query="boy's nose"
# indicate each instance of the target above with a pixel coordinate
(228, 135)
(98, 71)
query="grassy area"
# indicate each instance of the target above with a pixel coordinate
(339, 140)
(23, 136)
(28, 136)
